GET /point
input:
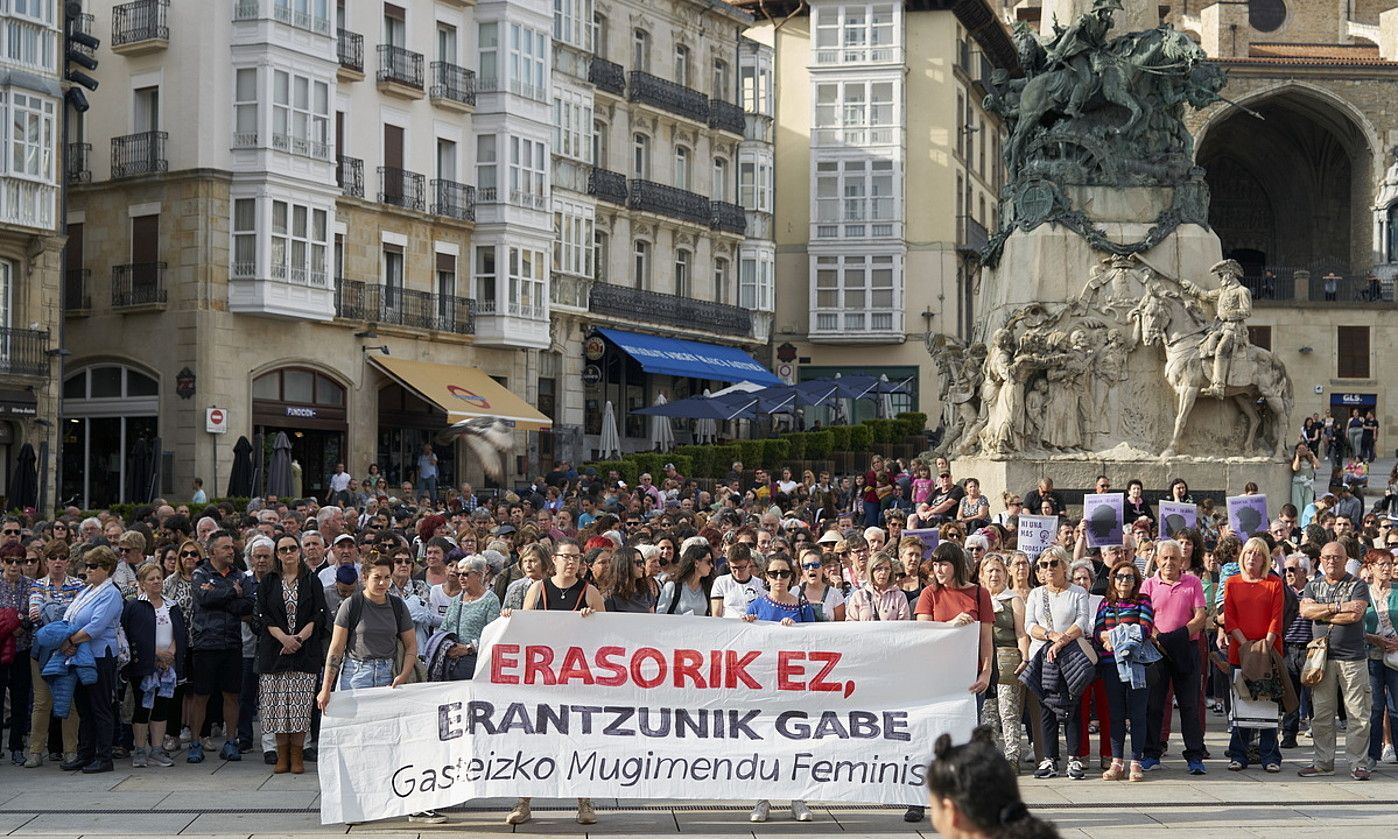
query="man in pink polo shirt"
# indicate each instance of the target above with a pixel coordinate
(1178, 601)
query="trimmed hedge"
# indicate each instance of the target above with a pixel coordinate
(914, 422)
(776, 453)
(796, 445)
(839, 437)
(750, 453)
(701, 460)
(819, 444)
(885, 430)
(861, 437)
(723, 459)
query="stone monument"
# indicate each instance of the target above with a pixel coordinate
(1113, 336)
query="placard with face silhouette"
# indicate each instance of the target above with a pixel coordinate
(1104, 514)
(1247, 514)
(1176, 516)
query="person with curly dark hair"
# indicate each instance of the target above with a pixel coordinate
(974, 794)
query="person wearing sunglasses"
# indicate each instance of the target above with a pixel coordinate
(92, 620)
(1056, 617)
(781, 605)
(628, 589)
(15, 675)
(47, 599)
(826, 600)
(471, 610)
(1122, 635)
(290, 652)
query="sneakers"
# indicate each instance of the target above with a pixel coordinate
(1315, 771)
(1075, 770)
(800, 812)
(1235, 766)
(427, 817)
(138, 759)
(1273, 768)
(185, 737)
(195, 753)
(914, 815)
(585, 812)
(1196, 767)
(34, 761)
(230, 751)
(1389, 755)
(1150, 764)
(1048, 768)
(760, 810)
(1359, 773)
(170, 744)
(157, 757)
(17, 757)
(520, 814)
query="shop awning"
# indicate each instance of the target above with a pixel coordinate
(692, 359)
(463, 392)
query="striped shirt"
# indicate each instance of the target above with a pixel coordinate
(45, 591)
(1111, 614)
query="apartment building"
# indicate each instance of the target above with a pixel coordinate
(31, 102)
(888, 175)
(354, 222)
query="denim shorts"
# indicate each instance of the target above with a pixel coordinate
(370, 673)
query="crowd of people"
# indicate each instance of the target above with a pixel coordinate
(161, 637)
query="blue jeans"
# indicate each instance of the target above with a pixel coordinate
(373, 673)
(427, 487)
(1127, 704)
(1383, 684)
(871, 513)
(1266, 744)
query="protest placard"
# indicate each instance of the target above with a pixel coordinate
(680, 707)
(1103, 513)
(1176, 516)
(929, 538)
(1036, 533)
(1247, 514)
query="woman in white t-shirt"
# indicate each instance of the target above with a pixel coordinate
(827, 600)
(1056, 616)
(787, 485)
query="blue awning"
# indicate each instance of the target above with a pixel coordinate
(693, 359)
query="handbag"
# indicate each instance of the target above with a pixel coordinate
(1313, 670)
(1008, 659)
(1083, 644)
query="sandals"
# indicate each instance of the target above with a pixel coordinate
(1117, 771)
(1137, 773)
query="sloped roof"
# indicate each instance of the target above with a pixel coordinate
(1284, 53)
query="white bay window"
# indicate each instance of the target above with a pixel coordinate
(857, 294)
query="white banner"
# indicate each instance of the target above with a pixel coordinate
(645, 706)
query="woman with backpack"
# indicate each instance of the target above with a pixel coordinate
(684, 593)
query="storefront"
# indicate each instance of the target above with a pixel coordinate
(1342, 403)
(309, 407)
(107, 411)
(630, 370)
(15, 407)
(406, 423)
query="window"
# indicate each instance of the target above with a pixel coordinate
(855, 113)
(529, 49)
(1266, 15)
(392, 275)
(755, 281)
(106, 411)
(855, 34)
(856, 293)
(527, 283)
(682, 65)
(245, 107)
(723, 90)
(573, 238)
(485, 167)
(299, 237)
(640, 264)
(1260, 337)
(756, 82)
(572, 23)
(683, 261)
(446, 160)
(395, 27)
(599, 144)
(640, 157)
(146, 109)
(852, 192)
(573, 125)
(30, 38)
(1352, 352)
(640, 50)
(446, 43)
(300, 114)
(29, 135)
(446, 281)
(485, 277)
(489, 40)
(681, 168)
(244, 237)
(720, 280)
(527, 172)
(602, 250)
(599, 35)
(719, 188)
(755, 182)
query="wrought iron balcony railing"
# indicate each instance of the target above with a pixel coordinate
(654, 307)
(725, 116)
(84, 23)
(652, 197)
(139, 154)
(392, 306)
(453, 200)
(453, 83)
(402, 188)
(349, 174)
(668, 96)
(143, 20)
(76, 163)
(607, 76)
(350, 47)
(400, 65)
(138, 284)
(24, 352)
(727, 217)
(607, 185)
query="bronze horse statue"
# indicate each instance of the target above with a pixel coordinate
(1164, 318)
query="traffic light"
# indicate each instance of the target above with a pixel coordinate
(78, 48)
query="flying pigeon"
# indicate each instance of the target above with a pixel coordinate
(488, 438)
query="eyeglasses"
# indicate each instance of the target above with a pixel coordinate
(779, 574)
(1339, 557)
(1127, 577)
(810, 566)
(1292, 569)
(976, 549)
(288, 549)
(573, 557)
(1051, 563)
(92, 565)
(402, 560)
(128, 550)
(194, 554)
(10, 560)
(10, 532)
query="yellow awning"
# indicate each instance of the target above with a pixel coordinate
(463, 392)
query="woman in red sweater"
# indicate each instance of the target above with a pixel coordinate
(1252, 611)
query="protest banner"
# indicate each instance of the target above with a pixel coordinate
(929, 536)
(1247, 514)
(1176, 516)
(1036, 533)
(642, 707)
(1103, 513)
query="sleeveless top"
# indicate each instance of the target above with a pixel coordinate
(570, 599)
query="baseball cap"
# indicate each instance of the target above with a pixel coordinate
(343, 537)
(503, 530)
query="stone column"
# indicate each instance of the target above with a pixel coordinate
(1134, 16)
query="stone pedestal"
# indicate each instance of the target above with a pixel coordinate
(1226, 475)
